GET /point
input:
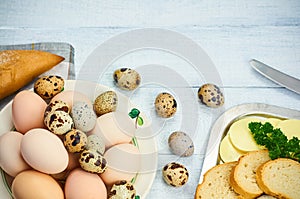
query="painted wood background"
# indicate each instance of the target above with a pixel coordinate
(231, 32)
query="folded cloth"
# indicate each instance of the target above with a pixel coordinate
(64, 69)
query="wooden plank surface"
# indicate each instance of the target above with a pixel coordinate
(230, 32)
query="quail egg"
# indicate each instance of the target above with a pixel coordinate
(165, 105)
(58, 122)
(211, 95)
(127, 79)
(83, 116)
(181, 144)
(105, 103)
(75, 141)
(48, 86)
(57, 106)
(92, 161)
(94, 142)
(175, 174)
(122, 190)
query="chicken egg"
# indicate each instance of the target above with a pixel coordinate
(32, 184)
(123, 162)
(11, 160)
(81, 184)
(44, 151)
(109, 129)
(28, 111)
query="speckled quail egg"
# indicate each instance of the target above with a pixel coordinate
(181, 144)
(211, 95)
(127, 79)
(106, 102)
(57, 106)
(175, 174)
(83, 116)
(122, 190)
(165, 105)
(48, 86)
(92, 161)
(58, 122)
(75, 141)
(94, 142)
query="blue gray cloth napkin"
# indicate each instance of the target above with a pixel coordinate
(65, 69)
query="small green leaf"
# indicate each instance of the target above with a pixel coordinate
(135, 142)
(137, 197)
(134, 113)
(63, 88)
(140, 121)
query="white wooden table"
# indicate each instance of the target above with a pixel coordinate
(231, 33)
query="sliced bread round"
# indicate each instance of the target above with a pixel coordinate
(266, 197)
(243, 175)
(280, 178)
(215, 183)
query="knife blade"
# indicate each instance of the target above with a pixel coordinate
(276, 76)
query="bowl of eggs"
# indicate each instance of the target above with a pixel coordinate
(75, 139)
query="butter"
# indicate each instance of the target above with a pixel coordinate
(228, 152)
(290, 128)
(240, 135)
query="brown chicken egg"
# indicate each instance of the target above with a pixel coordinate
(123, 162)
(28, 111)
(33, 184)
(82, 185)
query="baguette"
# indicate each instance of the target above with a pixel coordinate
(216, 183)
(20, 67)
(243, 175)
(280, 178)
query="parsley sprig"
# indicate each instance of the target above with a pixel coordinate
(275, 141)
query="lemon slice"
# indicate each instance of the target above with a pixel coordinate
(241, 137)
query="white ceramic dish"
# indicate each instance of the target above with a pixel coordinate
(147, 146)
(222, 124)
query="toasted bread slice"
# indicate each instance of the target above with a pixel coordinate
(280, 178)
(243, 175)
(20, 67)
(266, 197)
(216, 183)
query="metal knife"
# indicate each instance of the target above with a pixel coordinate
(280, 78)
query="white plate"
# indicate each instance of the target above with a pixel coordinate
(147, 144)
(222, 124)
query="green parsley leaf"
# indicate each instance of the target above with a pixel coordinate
(275, 141)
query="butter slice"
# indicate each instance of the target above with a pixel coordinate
(290, 128)
(273, 121)
(241, 137)
(228, 152)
